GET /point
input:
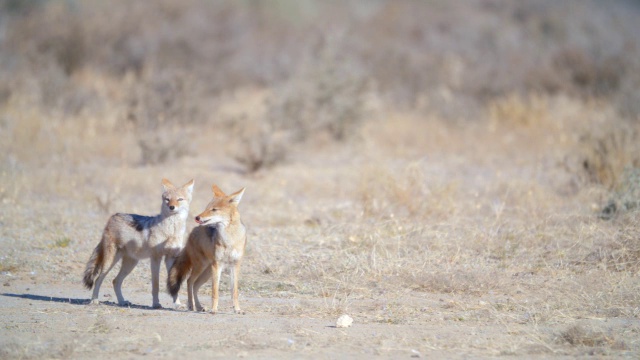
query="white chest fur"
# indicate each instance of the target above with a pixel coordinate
(228, 255)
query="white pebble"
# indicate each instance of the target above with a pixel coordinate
(344, 321)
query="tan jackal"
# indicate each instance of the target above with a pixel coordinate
(134, 237)
(217, 243)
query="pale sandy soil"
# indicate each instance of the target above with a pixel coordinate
(449, 245)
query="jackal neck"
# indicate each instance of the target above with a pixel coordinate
(176, 221)
(227, 233)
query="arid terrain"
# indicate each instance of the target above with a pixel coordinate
(462, 179)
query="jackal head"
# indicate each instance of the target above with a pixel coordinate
(176, 200)
(221, 209)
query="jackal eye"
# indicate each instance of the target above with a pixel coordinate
(214, 209)
(180, 199)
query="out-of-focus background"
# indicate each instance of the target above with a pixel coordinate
(465, 165)
(129, 83)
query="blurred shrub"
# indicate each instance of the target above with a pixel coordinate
(259, 146)
(407, 49)
(159, 109)
(449, 57)
(626, 195)
(515, 110)
(608, 151)
(20, 7)
(161, 146)
(627, 101)
(589, 75)
(326, 96)
(48, 34)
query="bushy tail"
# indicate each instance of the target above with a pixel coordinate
(178, 272)
(94, 266)
(102, 258)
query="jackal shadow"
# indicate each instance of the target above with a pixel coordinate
(73, 301)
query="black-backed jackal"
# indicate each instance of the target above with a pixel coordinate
(134, 237)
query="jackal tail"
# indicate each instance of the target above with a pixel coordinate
(102, 256)
(178, 272)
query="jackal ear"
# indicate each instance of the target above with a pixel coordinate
(236, 197)
(217, 192)
(189, 186)
(167, 185)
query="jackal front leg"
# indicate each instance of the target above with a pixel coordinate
(235, 274)
(216, 271)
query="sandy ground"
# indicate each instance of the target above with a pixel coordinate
(55, 322)
(488, 269)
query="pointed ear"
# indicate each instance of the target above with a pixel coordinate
(189, 186)
(217, 192)
(237, 196)
(167, 185)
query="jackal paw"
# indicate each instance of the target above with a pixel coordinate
(239, 311)
(179, 307)
(124, 303)
(213, 312)
(94, 302)
(157, 306)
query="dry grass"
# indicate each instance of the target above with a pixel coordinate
(325, 97)
(6, 267)
(61, 243)
(608, 151)
(579, 336)
(261, 146)
(385, 193)
(414, 191)
(513, 110)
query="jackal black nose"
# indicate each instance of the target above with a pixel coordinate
(197, 218)
(171, 207)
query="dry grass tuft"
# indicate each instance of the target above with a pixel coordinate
(580, 336)
(61, 243)
(452, 282)
(8, 267)
(101, 326)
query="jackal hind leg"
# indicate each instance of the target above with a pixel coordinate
(201, 280)
(103, 273)
(128, 264)
(196, 271)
